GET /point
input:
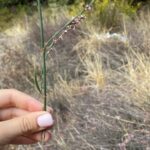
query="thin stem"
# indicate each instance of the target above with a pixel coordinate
(41, 24)
(44, 70)
(44, 78)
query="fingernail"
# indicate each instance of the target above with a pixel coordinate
(45, 120)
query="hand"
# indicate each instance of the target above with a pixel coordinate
(22, 120)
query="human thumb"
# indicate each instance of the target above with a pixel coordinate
(26, 124)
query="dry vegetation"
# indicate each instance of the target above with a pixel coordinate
(99, 85)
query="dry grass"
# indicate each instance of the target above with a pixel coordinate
(94, 74)
(138, 71)
(99, 87)
(138, 32)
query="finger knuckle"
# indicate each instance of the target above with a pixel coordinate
(26, 125)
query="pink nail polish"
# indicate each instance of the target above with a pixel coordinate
(45, 120)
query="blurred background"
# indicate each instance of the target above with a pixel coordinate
(98, 74)
(105, 11)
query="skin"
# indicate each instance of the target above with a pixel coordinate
(18, 118)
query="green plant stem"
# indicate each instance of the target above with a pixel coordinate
(44, 70)
(44, 78)
(41, 24)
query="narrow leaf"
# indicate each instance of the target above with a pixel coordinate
(36, 82)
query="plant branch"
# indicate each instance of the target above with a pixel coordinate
(50, 39)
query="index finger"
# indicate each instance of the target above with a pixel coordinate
(14, 98)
